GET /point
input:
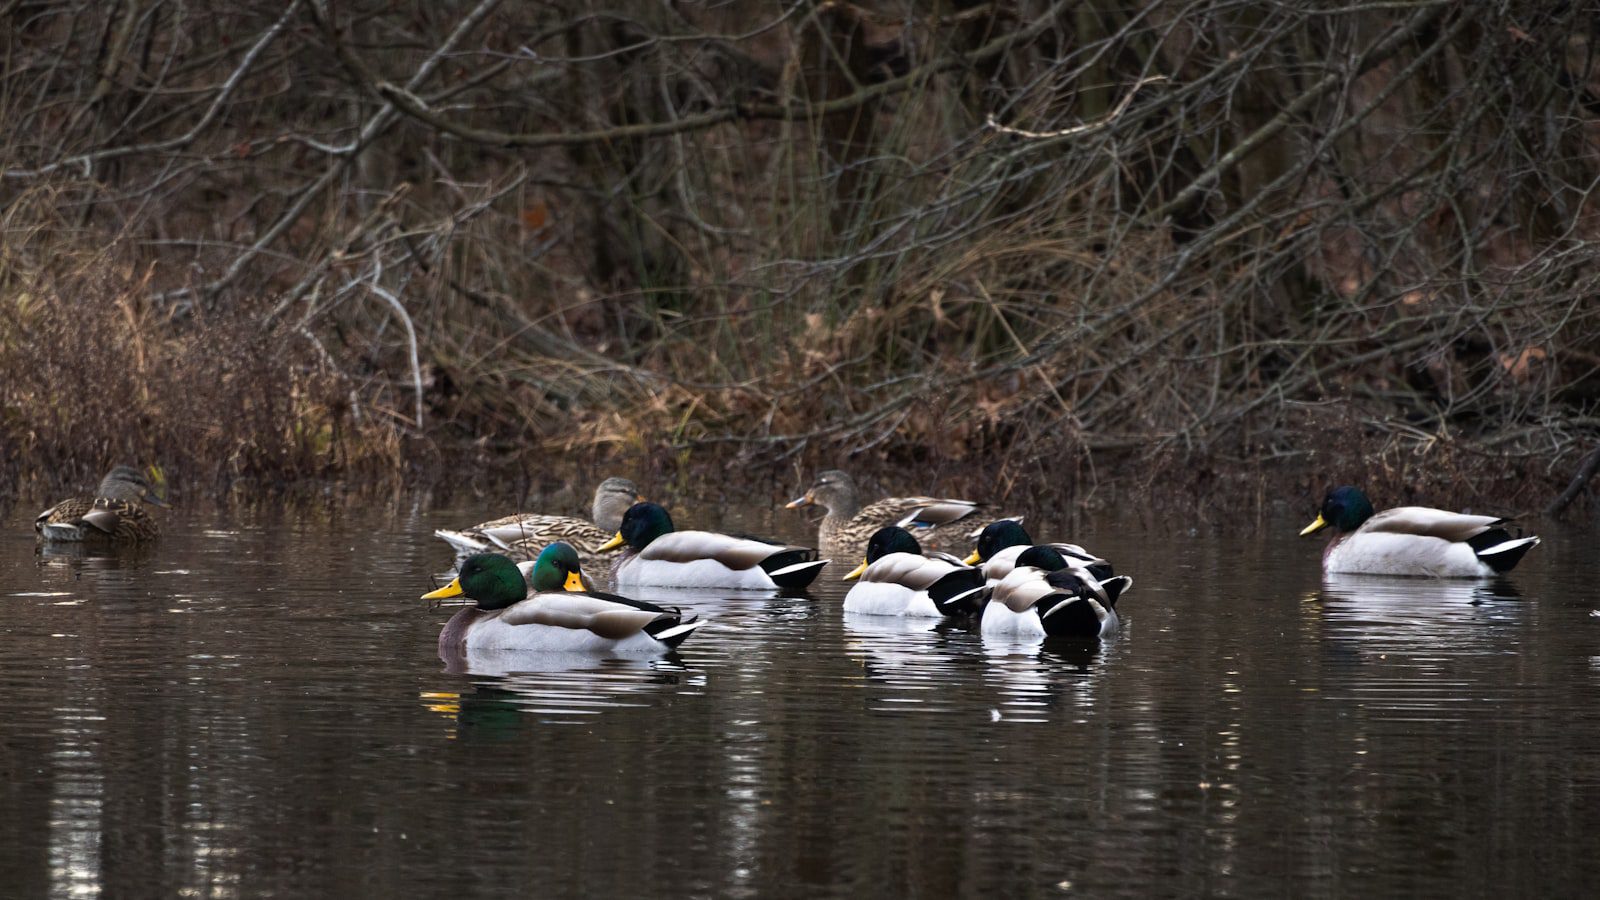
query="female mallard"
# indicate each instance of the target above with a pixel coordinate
(1000, 543)
(561, 615)
(523, 536)
(658, 555)
(1413, 540)
(898, 580)
(848, 525)
(115, 513)
(1045, 596)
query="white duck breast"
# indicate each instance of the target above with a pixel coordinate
(903, 584)
(1026, 604)
(1418, 540)
(1000, 564)
(707, 559)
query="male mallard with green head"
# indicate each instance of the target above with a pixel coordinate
(560, 615)
(1413, 540)
(522, 536)
(114, 514)
(659, 555)
(847, 525)
(897, 579)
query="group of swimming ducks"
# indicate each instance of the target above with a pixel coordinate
(1007, 582)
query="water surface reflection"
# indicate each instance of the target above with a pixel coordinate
(257, 707)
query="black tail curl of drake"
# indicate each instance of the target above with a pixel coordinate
(1070, 617)
(673, 632)
(960, 593)
(1499, 550)
(1115, 587)
(1072, 613)
(793, 569)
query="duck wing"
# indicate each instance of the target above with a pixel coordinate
(917, 512)
(585, 537)
(788, 567)
(587, 612)
(69, 510)
(1027, 586)
(736, 553)
(908, 570)
(106, 516)
(955, 588)
(1023, 589)
(1428, 522)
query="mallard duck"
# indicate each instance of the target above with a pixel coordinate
(523, 536)
(1001, 542)
(658, 555)
(1413, 540)
(1045, 596)
(115, 513)
(561, 614)
(897, 579)
(847, 525)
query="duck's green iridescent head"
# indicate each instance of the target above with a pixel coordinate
(491, 580)
(1042, 556)
(997, 536)
(641, 524)
(886, 540)
(556, 569)
(1345, 508)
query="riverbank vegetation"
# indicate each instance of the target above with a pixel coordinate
(1218, 247)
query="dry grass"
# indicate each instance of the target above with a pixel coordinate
(1218, 252)
(94, 376)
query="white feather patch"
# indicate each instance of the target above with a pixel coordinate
(878, 598)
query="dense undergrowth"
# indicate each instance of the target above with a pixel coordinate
(1212, 253)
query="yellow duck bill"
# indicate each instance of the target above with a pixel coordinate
(1318, 525)
(453, 589)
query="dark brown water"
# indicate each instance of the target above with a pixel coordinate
(256, 708)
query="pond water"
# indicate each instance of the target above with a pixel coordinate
(256, 708)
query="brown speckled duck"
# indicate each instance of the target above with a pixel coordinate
(523, 536)
(114, 514)
(848, 526)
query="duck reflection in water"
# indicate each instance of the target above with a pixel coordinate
(1034, 678)
(1432, 615)
(550, 686)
